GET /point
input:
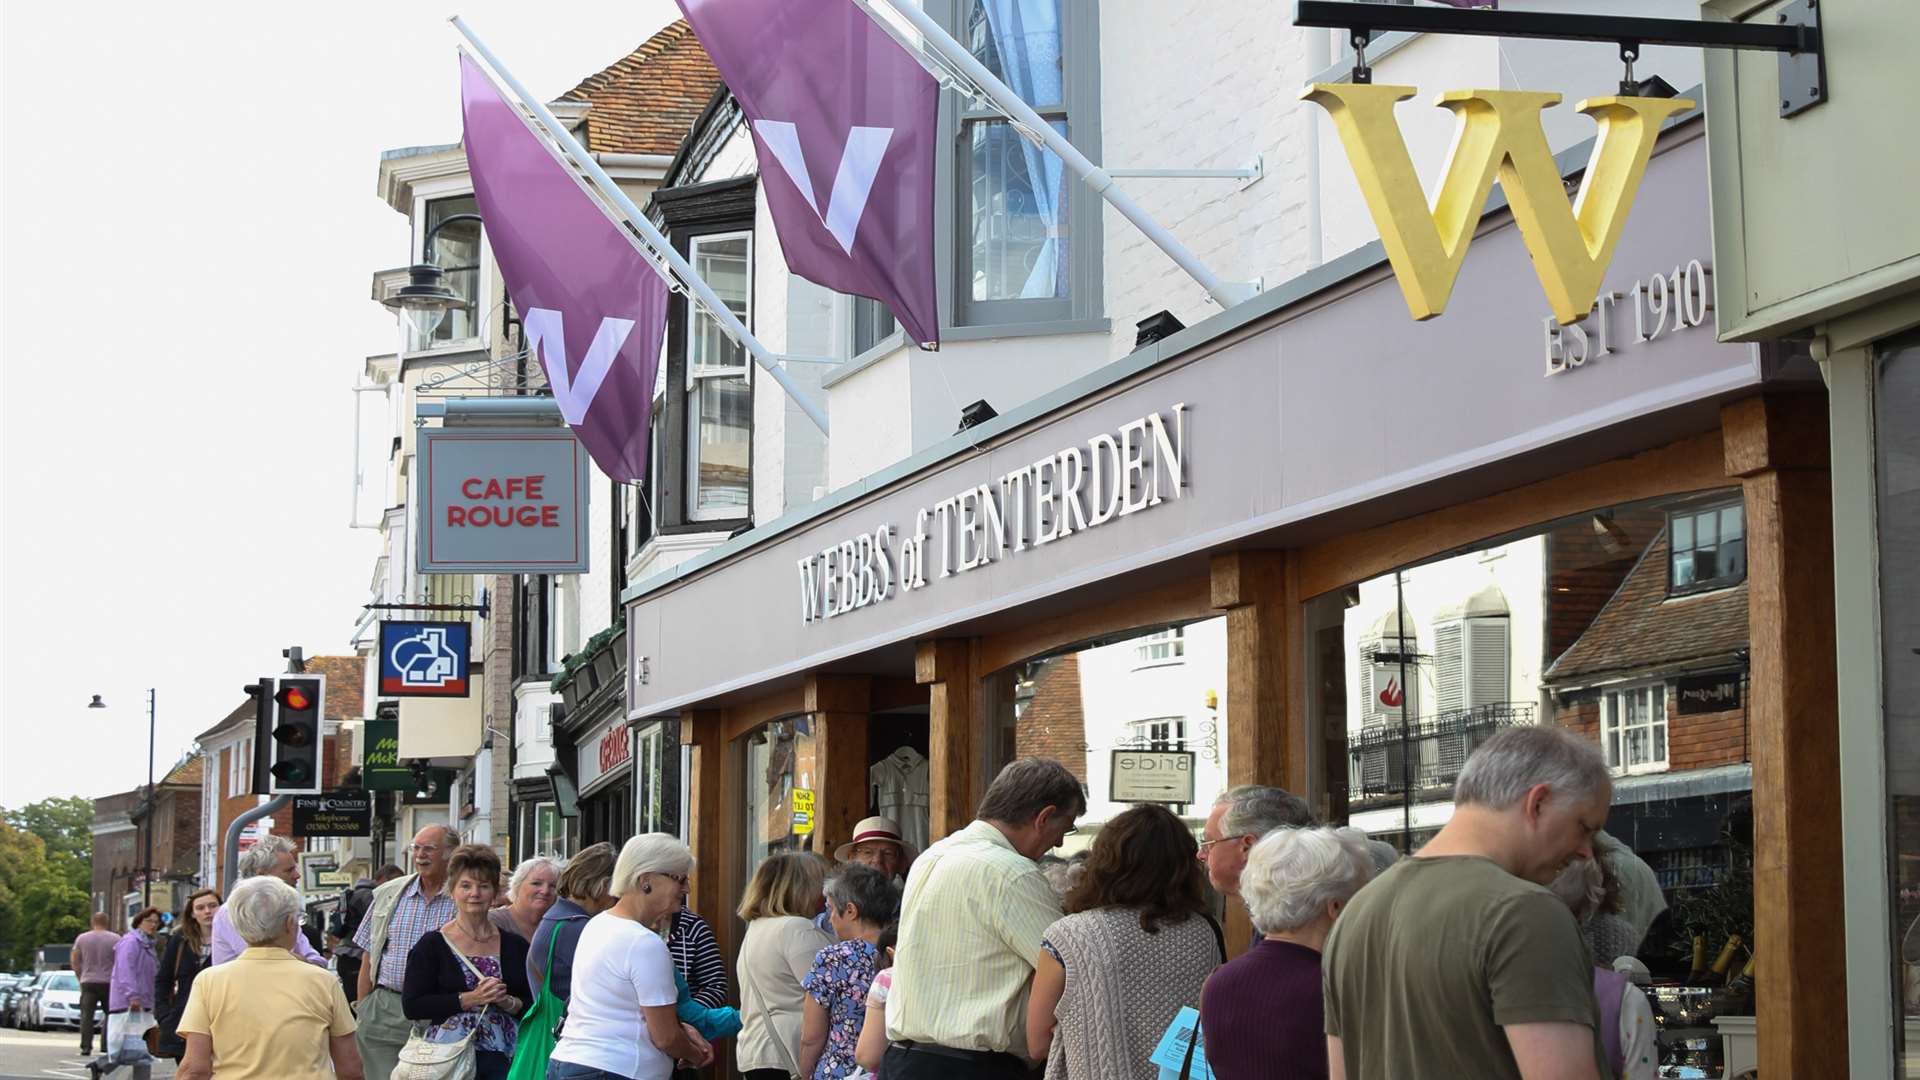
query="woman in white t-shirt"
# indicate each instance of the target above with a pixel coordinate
(620, 1020)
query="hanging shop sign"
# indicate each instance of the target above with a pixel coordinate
(1152, 776)
(1499, 134)
(380, 767)
(333, 813)
(1136, 467)
(1697, 694)
(502, 501)
(425, 659)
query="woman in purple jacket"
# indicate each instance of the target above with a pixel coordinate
(135, 961)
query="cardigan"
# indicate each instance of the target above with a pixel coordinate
(436, 978)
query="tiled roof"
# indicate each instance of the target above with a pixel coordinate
(1640, 628)
(648, 99)
(191, 771)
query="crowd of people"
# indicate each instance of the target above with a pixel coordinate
(1502, 948)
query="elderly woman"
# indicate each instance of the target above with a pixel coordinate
(861, 903)
(468, 977)
(266, 1015)
(183, 959)
(776, 953)
(1134, 949)
(531, 892)
(1626, 1017)
(620, 1018)
(1263, 1013)
(583, 887)
(130, 998)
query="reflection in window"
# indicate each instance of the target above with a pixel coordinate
(1161, 733)
(1896, 401)
(1569, 624)
(779, 760)
(1709, 548)
(1016, 191)
(456, 251)
(1163, 646)
(1633, 728)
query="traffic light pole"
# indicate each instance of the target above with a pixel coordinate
(146, 875)
(232, 845)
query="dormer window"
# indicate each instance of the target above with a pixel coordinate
(1709, 548)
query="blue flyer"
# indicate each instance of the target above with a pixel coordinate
(1171, 1054)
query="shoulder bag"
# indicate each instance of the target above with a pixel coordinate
(423, 1060)
(534, 1048)
(1220, 943)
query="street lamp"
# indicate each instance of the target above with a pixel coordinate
(425, 299)
(146, 870)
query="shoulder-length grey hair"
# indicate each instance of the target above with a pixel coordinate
(1292, 874)
(260, 907)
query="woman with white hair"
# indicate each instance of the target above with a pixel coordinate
(621, 1023)
(1263, 1013)
(266, 1015)
(531, 891)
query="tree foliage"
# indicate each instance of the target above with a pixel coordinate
(46, 870)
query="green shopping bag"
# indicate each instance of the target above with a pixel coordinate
(534, 1044)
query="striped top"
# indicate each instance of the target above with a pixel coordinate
(697, 955)
(973, 916)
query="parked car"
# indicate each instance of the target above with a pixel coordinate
(23, 1004)
(11, 988)
(56, 1001)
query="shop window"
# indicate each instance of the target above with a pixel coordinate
(1633, 728)
(657, 771)
(1896, 400)
(1143, 691)
(1709, 549)
(1026, 247)
(779, 760)
(548, 834)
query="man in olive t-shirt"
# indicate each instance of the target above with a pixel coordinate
(1458, 962)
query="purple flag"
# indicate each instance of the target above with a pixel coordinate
(593, 309)
(844, 123)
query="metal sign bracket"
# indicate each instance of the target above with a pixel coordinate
(1803, 75)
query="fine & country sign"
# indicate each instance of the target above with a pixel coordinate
(333, 813)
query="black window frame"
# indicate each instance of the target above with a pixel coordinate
(1695, 511)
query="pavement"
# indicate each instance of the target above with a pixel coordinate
(38, 1055)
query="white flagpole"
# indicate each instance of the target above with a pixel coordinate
(694, 282)
(1223, 293)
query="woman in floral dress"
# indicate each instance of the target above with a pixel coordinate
(861, 902)
(467, 976)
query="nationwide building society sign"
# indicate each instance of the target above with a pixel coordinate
(425, 659)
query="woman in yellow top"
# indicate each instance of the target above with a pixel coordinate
(267, 1014)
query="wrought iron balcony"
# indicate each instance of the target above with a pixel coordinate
(1384, 760)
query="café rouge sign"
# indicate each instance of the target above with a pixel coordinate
(1112, 475)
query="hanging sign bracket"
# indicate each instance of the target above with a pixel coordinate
(1794, 34)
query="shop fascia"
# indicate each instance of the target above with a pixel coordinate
(1114, 475)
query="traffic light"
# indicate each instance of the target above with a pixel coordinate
(295, 738)
(262, 694)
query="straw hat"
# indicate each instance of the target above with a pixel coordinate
(875, 828)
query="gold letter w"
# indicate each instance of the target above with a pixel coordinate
(1498, 129)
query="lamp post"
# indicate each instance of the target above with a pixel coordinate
(146, 868)
(425, 299)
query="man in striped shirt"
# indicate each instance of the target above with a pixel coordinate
(975, 908)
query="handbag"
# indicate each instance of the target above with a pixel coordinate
(423, 1060)
(534, 1048)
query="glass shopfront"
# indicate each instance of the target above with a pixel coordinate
(780, 771)
(1119, 713)
(1628, 625)
(1896, 402)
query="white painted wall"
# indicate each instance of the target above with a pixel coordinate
(1118, 688)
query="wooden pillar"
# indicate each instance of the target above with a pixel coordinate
(841, 706)
(709, 893)
(1777, 446)
(1251, 589)
(945, 668)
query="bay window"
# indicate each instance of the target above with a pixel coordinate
(719, 399)
(456, 251)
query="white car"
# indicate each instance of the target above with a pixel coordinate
(58, 1003)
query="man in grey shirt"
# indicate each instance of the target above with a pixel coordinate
(93, 963)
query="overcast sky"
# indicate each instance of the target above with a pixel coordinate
(190, 224)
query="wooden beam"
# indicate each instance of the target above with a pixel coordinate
(1799, 929)
(700, 732)
(1694, 464)
(743, 718)
(841, 706)
(946, 668)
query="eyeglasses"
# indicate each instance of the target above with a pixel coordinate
(1206, 844)
(677, 879)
